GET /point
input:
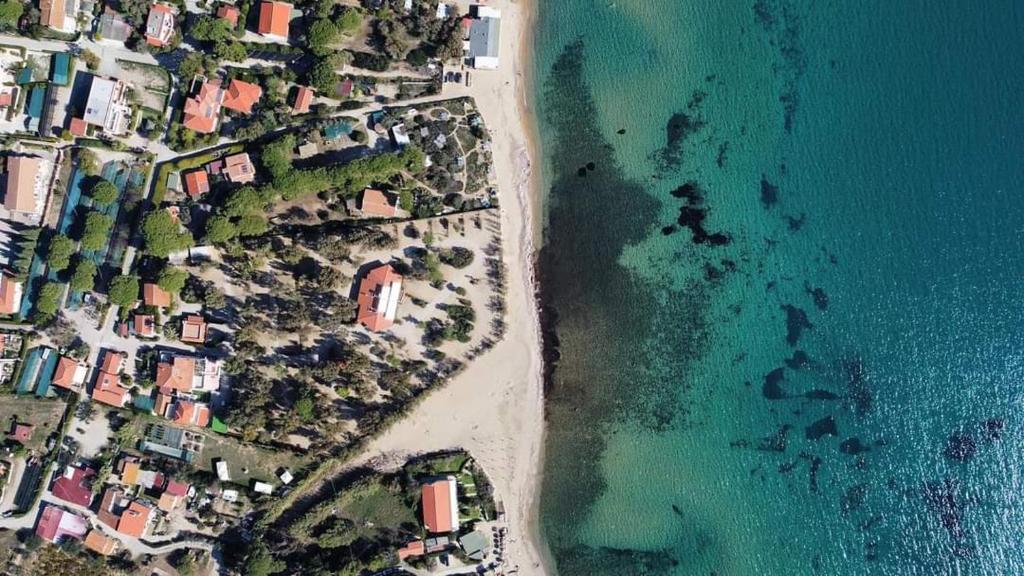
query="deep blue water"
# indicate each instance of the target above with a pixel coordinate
(783, 271)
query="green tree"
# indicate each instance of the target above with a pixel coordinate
(416, 57)
(405, 200)
(304, 408)
(261, 562)
(48, 301)
(124, 291)
(245, 200)
(231, 51)
(172, 280)
(97, 226)
(210, 29)
(350, 20)
(323, 75)
(85, 275)
(163, 235)
(321, 35)
(219, 230)
(59, 255)
(252, 225)
(104, 192)
(10, 13)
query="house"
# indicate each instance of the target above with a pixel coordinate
(374, 202)
(59, 15)
(222, 471)
(303, 98)
(130, 468)
(55, 524)
(173, 496)
(7, 98)
(144, 325)
(78, 127)
(108, 390)
(11, 292)
(154, 295)
(187, 413)
(113, 362)
(202, 111)
(75, 486)
(163, 402)
(197, 183)
(440, 506)
(113, 27)
(274, 19)
(308, 150)
(21, 432)
(25, 184)
(107, 107)
(484, 40)
(229, 14)
(171, 442)
(193, 330)
(70, 374)
(412, 549)
(160, 24)
(262, 488)
(476, 545)
(379, 293)
(238, 168)
(135, 519)
(100, 543)
(180, 373)
(345, 88)
(286, 477)
(241, 96)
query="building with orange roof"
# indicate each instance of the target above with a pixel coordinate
(379, 294)
(241, 96)
(160, 24)
(202, 111)
(193, 330)
(440, 506)
(229, 14)
(100, 543)
(177, 375)
(144, 325)
(108, 390)
(70, 373)
(154, 295)
(412, 549)
(163, 402)
(135, 519)
(78, 127)
(187, 413)
(238, 168)
(303, 99)
(11, 293)
(274, 19)
(130, 468)
(375, 202)
(59, 15)
(21, 432)
(25, 184)
(197, 183)
(113, 362)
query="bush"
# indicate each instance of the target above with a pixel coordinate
(457, 257)
(358, 136)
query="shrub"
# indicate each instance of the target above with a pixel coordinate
(457, 257)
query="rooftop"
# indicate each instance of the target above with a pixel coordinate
(274, 19)
(379, 293)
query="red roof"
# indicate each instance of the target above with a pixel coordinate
(154, 295)
(145, 325)
(108, 390)
(377, 203)
(274, 18)
(64, 377)
(74, 486)
(191, 413)
(229, 13)
(242, 96)
(203, 110)
(78, 127)
(56, 523)
(100, 543)
(134, 520)
(113, 362)
(175, 488)
(414, 548)
(239, 169)
(303, 98)
(10, 293)
(193, 330)
(176, 374)
(6, 99)
(438, 506)
(378, 298)
(197, 183)
(22, 432)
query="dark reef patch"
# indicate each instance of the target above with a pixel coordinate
(819, 297)
(853, 498)
(857, 390)
(780, 20)
(795, 223)
(582, 559)
(941, 499)
(822, 427)
(992, 430)
(798, 361)
(723, 151)
(813, 471)
(960, 447)
(621, 131)
(775, 442)
(796, 323)
(668, 230)
(769, 193)
(679, 128)
(693, 213)
(772, 388)
(853, 446)
(819, 394)
(688, 191)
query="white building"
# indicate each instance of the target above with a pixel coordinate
(484, 41)
(107, 106)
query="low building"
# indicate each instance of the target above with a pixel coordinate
(160, 24)
(108, 390)
(173, 496)
(202, 111)
(11, 293)
(180, 373)
(107, 107)
(274, 20)
(222, 471)
(193, 330)
(21, 432)
(262, 488)
(135, 519)
(113, 362)
(238, 168)
(70, 374)
(440, 506)
(303, 99)
(154, 295)
(188, 413)
(379, 295)
(56, 524)
(171, 442)
(144, 325)
(75, 486)
(411, 550)
(475, 545)
(59, 15)
(241, 96)
(25, 184)
(113, 27)
(308, 150)
(373, 202)
(229, 14)
(100, 543)
(197, 183)
(484, 41)
(400, 135)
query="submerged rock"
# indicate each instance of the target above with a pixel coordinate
(853, 446)
(823, 427)
(819, 297)
(993, 430)
(798, 360)
(769, 193)
(776, 442)
(853, 498)
(960, 447)
(796, 323)
(772, 388)
(818, 394)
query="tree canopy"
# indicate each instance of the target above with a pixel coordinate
(219, 230)
(172, 280)
(321, 35)
(163, 235)
(97, 226)
(10, 12)
(104, 192)
(59, 255)
(48, 300)
(124, 291)
(84, 277)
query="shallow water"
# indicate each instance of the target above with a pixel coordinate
(783, 259)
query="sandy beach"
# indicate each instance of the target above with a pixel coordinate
(494, 409)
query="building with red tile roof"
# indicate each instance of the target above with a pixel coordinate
(193, 330)
(70, 373)
(160, 24)
(303, 99)
(6, 98)
(379, 294)
(154, 295)
(100, 543)
(178, 374)
(11, 293)
(110, 507)
(135, 519)
(108, 390)
(187, 413)
(113, 362)
(197, 183)
(238, 168)
(25, 184)
(241, 96)
(202, 111)
(78, 127)
(21, 432)
(412, 549)
(130, 468)
(163, 401)
(229, 14)
(274, 19)
(374, 202)
(58, 14)
(56, 524)
(440, 506)
(144, 325)
(75, 486)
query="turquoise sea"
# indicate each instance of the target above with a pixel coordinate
(783, 284)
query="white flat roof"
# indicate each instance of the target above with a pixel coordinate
(100, 94)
